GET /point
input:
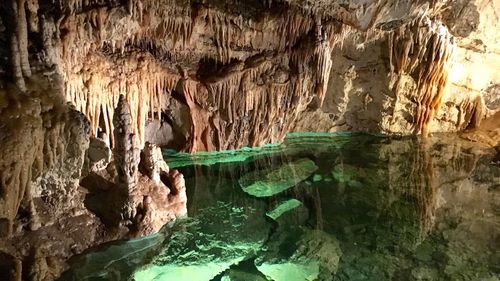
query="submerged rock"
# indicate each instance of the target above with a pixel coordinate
(115, 262)
(315, 256)
(424, 273)
(265, 183)
(343, 173)
(191, 249)
(291, 271)
(317, 177)
(283, 208)
(240, 275)
(203, 247)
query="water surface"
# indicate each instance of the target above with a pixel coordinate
(323, 207)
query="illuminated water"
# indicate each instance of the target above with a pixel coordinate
(324, 207)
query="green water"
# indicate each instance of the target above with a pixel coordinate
(323, 207)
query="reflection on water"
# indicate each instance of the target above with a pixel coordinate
(339, 207)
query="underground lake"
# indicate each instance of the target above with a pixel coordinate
(343, 206)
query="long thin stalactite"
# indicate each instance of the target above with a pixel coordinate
(98, 72)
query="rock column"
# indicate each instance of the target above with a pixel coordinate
(125, 152)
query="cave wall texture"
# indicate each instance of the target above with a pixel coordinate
(205, 75)
(361, 94)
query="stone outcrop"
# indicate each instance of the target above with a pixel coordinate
(487, 133)
(43, 208)
(98, 155)
(43, 145)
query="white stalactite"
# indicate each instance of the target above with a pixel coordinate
(97, 73)
(97, 93)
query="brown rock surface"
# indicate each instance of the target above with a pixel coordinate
(487, 133)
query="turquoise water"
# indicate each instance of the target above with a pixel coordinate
(323, 207)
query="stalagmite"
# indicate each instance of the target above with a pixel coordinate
(153, 163)
(178, 186)
(125, 153)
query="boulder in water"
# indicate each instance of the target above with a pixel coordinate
(265, 183)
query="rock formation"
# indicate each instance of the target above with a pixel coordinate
(137, 189)
(255, 63)
(363, 93)
(44, 156)
(125, 153)
(153, 163)
(422, 49)
(235, 63)
(86, 85)
(41, 140)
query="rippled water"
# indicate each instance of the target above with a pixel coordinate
(323, 207)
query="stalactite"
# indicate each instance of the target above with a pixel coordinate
(15, 61)
(96, 92)
(17, 41)
(200, 140)
(324, 64)
(175, 23)
(423, 49)
(221, 25)
(472, 111)
(243, 107)
(91, 90)
(338, 33)
(290, 66)
(22, 37)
